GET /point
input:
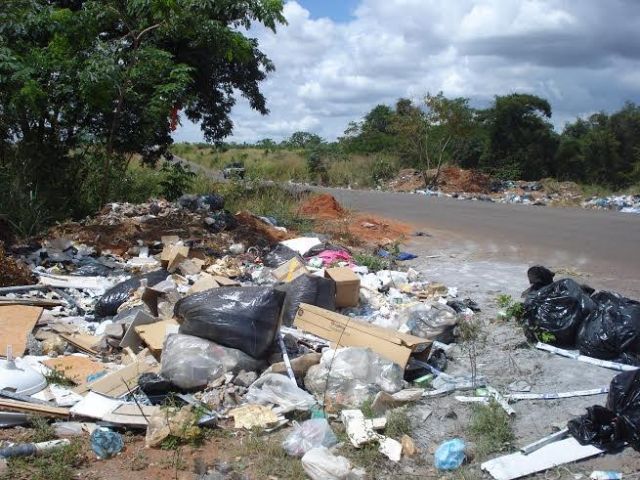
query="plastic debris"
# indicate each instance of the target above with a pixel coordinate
(310, 434)
(320, 464)
(106, 443)
(276, 389)
(450, 454)
(601, 475)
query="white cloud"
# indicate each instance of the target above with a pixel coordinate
(581, 56)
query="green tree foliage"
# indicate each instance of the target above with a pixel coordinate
(374, 134)
(304, 140)
(86, 83)
(521, 143)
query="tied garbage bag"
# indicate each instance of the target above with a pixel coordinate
(190, 362)
(612, 331)
(554, 313)
(106, 443)
(310, 434)
(539, 277)
(435, 321)
(243, 318)
(109, 303)
(276, 389)
(450, 455)
(280, 255)
(348, 377)
(309, 289)
(619, 423)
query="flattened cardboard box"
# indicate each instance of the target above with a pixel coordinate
(331, 326)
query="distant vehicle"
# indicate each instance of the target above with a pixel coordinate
(234, 170)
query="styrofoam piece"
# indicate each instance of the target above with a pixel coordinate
(302, 244)
(94, 405)
(517, 465)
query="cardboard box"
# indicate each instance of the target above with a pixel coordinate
(344, 331)
(347, 286)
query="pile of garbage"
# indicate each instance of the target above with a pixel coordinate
(601, 325)
(173, 317)
(622, 203)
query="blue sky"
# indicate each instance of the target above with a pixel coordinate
(337, 10)
(337, 59)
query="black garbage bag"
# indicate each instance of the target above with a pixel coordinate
(619, 423)
(310, 289)
(555, 313)
(189, 202)
(612, 331)
(279, 256)
(211, 202)
(109, 303)
(461, 305)
(220, 221)
(156, 388)
(318, 249)
(243, 318)
(539, 277)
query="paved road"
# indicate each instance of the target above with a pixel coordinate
(603, 245)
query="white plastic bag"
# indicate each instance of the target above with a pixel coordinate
(320, 464)
(276, 389)
(310, 434)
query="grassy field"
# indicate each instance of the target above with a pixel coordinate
(284, 165)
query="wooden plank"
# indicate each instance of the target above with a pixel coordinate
(16, 323)
(82, 342)
(24, 407)
(76, 282)
(346, 332)
(31, 302)
(118, 383)
(75, 367)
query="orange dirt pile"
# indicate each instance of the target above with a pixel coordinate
(407, 180)
(350, 228)
(453, 179)
(323, 206)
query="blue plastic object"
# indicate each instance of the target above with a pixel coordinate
(402, 256)
(106, 443)
(450, 454)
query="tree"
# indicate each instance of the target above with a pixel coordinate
(304, 140)
(104, 79)
(521, 143)
(427, 135)
(373, 134)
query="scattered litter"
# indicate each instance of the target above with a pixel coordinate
(106, 443)
(581, 358)
(310, 434)
(29, 449)
(600, 475)
(450, 455)
(249, 416)
(320, 464)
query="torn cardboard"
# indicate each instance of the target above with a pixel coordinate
(344, 331)
(16, 323)
(75, 367)
(153, 335)
(290, 270)
(119, 383)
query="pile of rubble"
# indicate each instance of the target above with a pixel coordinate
(225, 318)
(464, 184)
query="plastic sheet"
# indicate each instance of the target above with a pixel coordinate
(243, 318)
(555, 313)
(313, 433)
(279, 256)
(435, 322)
(190, 362)
(612, 331)
(320, 464)
(309, 289)
(276, 389)
(354, 375)
(109, 303)
(450, 455)
(619, 423)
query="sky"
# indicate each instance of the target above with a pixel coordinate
(337, 59)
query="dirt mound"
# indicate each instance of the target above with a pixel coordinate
(454, 179)
(254, 231)
(380, 231)
(322, 206)
(407, 180)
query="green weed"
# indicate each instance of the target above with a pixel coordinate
(58, 464)
(372, 262)
(490, 429)
(398, 423)
(58, 377)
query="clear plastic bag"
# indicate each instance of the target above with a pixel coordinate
(310, 434)
(435, 321)
(355, 375)
(320, 464)
(192, 362)
(276, 389)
